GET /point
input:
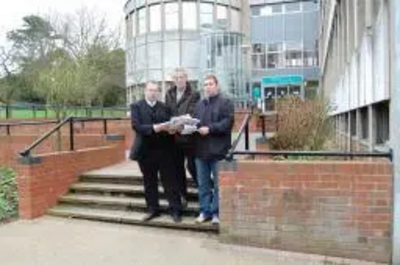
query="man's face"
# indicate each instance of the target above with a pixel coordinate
(180, 79)
(210, 87)
(151, 92)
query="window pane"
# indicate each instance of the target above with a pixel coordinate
(142, 21)
(258, 48)
(171, 54)
(274, 47)
(309, 6)
(206, 15)
(255, 10)
(222, 17)
(292, 7)
(235, 20)
(310, 58)
(155, 55)
(155, 18)
(189, 15)
(271, 9)
(171, 16)
(293, 59)
(134, 26)
(141, 57)
(273, 60)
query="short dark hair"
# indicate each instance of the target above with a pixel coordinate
(212, 77)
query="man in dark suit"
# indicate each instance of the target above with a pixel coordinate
(153, 151)
(181, 100)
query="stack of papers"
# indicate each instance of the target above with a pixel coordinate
(184, 120)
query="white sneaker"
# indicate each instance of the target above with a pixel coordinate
(201, 218)
(215, 220)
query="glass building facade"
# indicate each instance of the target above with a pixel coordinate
(284, 48)
(199, 35)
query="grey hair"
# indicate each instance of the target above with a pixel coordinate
(181, 70)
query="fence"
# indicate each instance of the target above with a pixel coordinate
(38, 111)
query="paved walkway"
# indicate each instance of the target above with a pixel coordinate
(53, 241)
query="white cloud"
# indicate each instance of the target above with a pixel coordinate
(11, 14)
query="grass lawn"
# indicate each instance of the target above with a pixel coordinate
(38, 114)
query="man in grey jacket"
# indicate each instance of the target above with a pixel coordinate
(181, 100)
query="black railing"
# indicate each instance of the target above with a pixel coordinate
(244, 129)
(9, 125)
(71, 121)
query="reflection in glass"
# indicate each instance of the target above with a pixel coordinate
(155, 18)
(189, 14)
(171, 16)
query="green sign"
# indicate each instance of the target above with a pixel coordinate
(256, 92)
(282, 80)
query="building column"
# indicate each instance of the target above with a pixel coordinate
(394, 55)
(371, 127)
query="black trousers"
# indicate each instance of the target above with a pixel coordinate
(184, 154)
(157, 163)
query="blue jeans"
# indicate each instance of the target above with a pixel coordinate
(207, 177)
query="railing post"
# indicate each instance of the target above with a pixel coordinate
(263, 126)
(105, 126)
(247, 137)
(71, 134)
(8, 127)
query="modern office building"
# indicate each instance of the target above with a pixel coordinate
(203, 36)
(284, 49)
(355, 64)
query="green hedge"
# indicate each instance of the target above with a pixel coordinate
(8, 194)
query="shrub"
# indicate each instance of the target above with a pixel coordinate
(301, 124)
(8, 194)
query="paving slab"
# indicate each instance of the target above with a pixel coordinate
(59, 241)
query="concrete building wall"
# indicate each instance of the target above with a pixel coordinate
(355, 59)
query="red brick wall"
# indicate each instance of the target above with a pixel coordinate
(12, 145)
(330, 208)
(40, 185)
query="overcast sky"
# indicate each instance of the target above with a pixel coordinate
(11, 14)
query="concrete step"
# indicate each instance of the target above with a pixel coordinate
(125, 217)
(120, 179)
(119, 203)
(128, 190)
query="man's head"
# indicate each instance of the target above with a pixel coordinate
(151, 91)
(211, 87)
(180, 78)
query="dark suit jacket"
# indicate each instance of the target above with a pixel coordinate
(185, 105)
(217, 113)
(143, 117)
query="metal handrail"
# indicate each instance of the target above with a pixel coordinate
(28, 150)
(388, 155)
(71, 120)
(244, 128)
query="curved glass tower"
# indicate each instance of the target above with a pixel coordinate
(203, 36)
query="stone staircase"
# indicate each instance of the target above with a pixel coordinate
(116, 194)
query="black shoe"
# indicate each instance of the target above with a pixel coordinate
(150, 216)
(177, 217)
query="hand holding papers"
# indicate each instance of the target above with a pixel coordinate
(185, 124)
(189, 129)
(184, 120)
